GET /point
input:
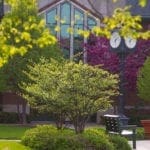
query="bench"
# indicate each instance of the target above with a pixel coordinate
(114, 126)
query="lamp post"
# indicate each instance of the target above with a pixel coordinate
(1, 9)
(122, 46)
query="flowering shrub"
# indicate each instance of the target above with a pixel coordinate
(98, 53)
(135, 61)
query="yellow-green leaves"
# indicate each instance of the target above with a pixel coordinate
(121, 20)
(26, 36)
(124, 22)
(114, 1)
(101, 31)
(84, 33)
(77, 89)
(57, 29)
(142, 3)
(22, 30)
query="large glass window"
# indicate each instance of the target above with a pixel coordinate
(51, 20)
(68, 17)
(91, 22)
(78, 40)
(65, 22)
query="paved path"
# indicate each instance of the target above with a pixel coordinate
(142, 145)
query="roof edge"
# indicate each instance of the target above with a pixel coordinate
(77, 3)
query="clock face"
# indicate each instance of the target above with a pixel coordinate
(130, 42)
(115, 40)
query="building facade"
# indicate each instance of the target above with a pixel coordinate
(77, 14)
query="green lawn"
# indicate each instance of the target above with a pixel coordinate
(12, 131)
(12, 145)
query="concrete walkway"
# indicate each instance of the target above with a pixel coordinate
(142, 145)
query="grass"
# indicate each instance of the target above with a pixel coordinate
(12, 131)
(12, 145)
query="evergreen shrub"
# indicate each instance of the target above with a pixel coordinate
(47, 137)
(120, 143)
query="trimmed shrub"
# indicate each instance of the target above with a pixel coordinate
(140, 134)
(69, 142)
(47, 137)
(120, 143)
(40, 138)
(11, 117)
(97, 139)
(7, 117)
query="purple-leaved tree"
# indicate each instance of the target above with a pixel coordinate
(98, 53)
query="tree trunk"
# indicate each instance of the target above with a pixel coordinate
(79, 125)
(79, 128)
(60, 119)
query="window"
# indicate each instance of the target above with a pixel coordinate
(78, 40)
(65, 23)
(69, 16)
(51, 21)
(91, 22)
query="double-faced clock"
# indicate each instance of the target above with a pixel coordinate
(120, 44)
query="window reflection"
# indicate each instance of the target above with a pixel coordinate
(68, 16)
(91, 22)
(51, 21)
(65, 20)
(78, 40)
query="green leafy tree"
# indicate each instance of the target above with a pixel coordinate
(11, 74)
(69, 90)
(143, 81)
(23, 39)
(21, 30)
(126, 24)
(122, 21)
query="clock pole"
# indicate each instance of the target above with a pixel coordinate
(122, 46)
(122, 55)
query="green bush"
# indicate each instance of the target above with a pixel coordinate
(140, 134)
(40, 138)
(120, 143)
(97, 139)
(69, 142)
(47, 137)
(7, 117)
(11, 117)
